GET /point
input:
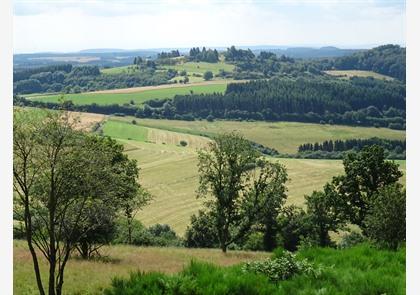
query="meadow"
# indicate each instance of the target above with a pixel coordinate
(283, 136)
(169, 171)
(91, 277)
(346, 74)
(138, 96)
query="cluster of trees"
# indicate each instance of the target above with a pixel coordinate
(170, 54)
(206, 55)
(234, 55)
(395, 146)
(69, 79)
(386, 59)
(70, 187)
(246, 208)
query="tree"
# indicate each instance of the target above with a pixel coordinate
(58, 172)
(323, 214)
(270, 185)
(202, 231)
(385, 220)
(293, 227)
(240, 183)
(208, 75)
(366, 173)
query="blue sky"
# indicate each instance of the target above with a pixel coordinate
(71, 25)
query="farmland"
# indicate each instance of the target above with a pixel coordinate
(283, 136)
(91, 277)
(169, 171)
(138, 95)
(346, 74)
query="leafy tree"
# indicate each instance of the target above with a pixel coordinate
(208, 75)
(385, 221)
(294, 227)
(323, 214)
(241, 185)
(58, 172)
(366, 173)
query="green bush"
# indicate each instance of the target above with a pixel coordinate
(283, 266)
(350, 240)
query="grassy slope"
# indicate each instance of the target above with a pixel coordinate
(201, 67)
(137, 97)
(283, 136)
(90, 277)
(352, 73)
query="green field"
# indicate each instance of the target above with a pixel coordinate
(201, 67)
(356, 73)
(91, 277)
(138, 96)
(283, 136)
(119, 70)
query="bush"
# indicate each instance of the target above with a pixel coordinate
(385, 221)
(210, 118)
(202, 233)
(350, 240)
(282, 267)
(208, 75)
(183, 143)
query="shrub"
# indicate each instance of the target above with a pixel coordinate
(183, 143)
(282, 267)
(350, 240)
(202, 233)
(134, 122)
(208, 75)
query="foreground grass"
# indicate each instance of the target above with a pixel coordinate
(358, 270)
(137, 97)
(91, 277)
(283, 136)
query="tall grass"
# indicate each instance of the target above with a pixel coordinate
(359, 270)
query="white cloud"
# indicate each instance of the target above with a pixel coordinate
(73, 25)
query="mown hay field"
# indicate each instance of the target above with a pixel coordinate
(358, 73)
(283, 136)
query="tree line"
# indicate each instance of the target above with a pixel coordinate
(349, 144)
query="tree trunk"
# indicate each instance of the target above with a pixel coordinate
(130, 229)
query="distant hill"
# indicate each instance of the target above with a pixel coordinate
(310, 52)
(387, 60)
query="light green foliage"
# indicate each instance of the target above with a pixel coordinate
(138, 97)
(282, 267)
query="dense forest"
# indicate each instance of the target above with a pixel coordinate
(387, 60)
(206, 55)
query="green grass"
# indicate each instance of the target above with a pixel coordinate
(358, 270)
(283, 136)
(356, 73)
(124, 130)
(91, 277)
(118, 70)
(138, 97)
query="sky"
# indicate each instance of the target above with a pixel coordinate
(72, 25)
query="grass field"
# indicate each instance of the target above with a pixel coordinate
(139, 96)
(201, 67)
(355, 73)
(91, 277)
(283, 136)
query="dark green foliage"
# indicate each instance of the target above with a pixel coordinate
(202, 231)
(244, 189)
(386, 59)
(208, 75)
(366, 173)
(183, 143)
(385, 220)
(294, 227)
(323, 215)
(207, 55)
(170, 54)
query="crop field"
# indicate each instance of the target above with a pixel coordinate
(283, 136)
(356, 73)
(138, 95)
(91, 277)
